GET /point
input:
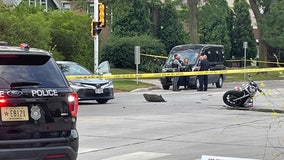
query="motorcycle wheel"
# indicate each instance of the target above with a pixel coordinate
(230, 96)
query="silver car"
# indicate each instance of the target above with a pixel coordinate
(97, 89)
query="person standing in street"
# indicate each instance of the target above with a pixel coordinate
(203, 79)
(187, 68)
(178, 66)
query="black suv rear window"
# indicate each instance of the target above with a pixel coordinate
(29, 69)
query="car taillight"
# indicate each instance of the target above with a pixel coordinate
(73, 104)
(55, 156)
(3, 102)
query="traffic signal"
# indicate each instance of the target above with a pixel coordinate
(102, 15)
(93, 28)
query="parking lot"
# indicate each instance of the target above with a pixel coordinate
(185, 127)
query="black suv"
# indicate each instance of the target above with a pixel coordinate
(38, 107)
(215, 55)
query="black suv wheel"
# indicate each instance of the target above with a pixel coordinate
(38, 108)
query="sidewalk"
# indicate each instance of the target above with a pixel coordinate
(156, 82)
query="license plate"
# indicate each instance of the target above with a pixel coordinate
(15, 113)
(99, 91)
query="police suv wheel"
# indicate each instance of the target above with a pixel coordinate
(219, 83)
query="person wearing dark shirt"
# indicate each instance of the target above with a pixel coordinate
(203, 79)
(177, 65)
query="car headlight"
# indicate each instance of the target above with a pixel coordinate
(109, 84)
(75, 83)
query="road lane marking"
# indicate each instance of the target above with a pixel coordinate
(86, 150)
(138, 156)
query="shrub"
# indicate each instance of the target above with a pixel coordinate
(120, 52)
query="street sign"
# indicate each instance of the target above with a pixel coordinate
(137, 59)
(245, 45)
(137, 54)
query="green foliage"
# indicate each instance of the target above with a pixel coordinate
(65, 34)
(230, 24)
(171, 33)
(57, 55)
(183, 14)
(3, 7)
(70, 34)
(130, 18)
(27, 26)
(272, 25)
(120, 52)
(242, 31)
(213, 23)
(262, 8)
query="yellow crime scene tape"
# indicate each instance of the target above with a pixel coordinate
(232, 60)
(172, 74)
(155, 56)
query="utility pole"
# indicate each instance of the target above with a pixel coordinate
(96, 37)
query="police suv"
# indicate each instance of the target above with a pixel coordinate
(38, 108)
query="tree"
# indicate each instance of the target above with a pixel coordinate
(242, 31)
(25, 24)
(70, 34)
(261, 8)
(193, 24)
(130, 18)
(119, 52)
(155, 9)
(172, 32)
(213, 19)
(272, 25)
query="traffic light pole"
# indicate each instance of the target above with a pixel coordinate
(96, 38)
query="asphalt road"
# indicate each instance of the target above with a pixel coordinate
(185, 127)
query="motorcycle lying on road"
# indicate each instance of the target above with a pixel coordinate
(243, 95)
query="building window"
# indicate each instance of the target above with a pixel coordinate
(66, 6)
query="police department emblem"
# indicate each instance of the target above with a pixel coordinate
(35, 112)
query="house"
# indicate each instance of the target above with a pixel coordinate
(47, 4)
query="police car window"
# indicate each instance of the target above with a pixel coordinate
(15, 59)
(74, 69)
(40, 69)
